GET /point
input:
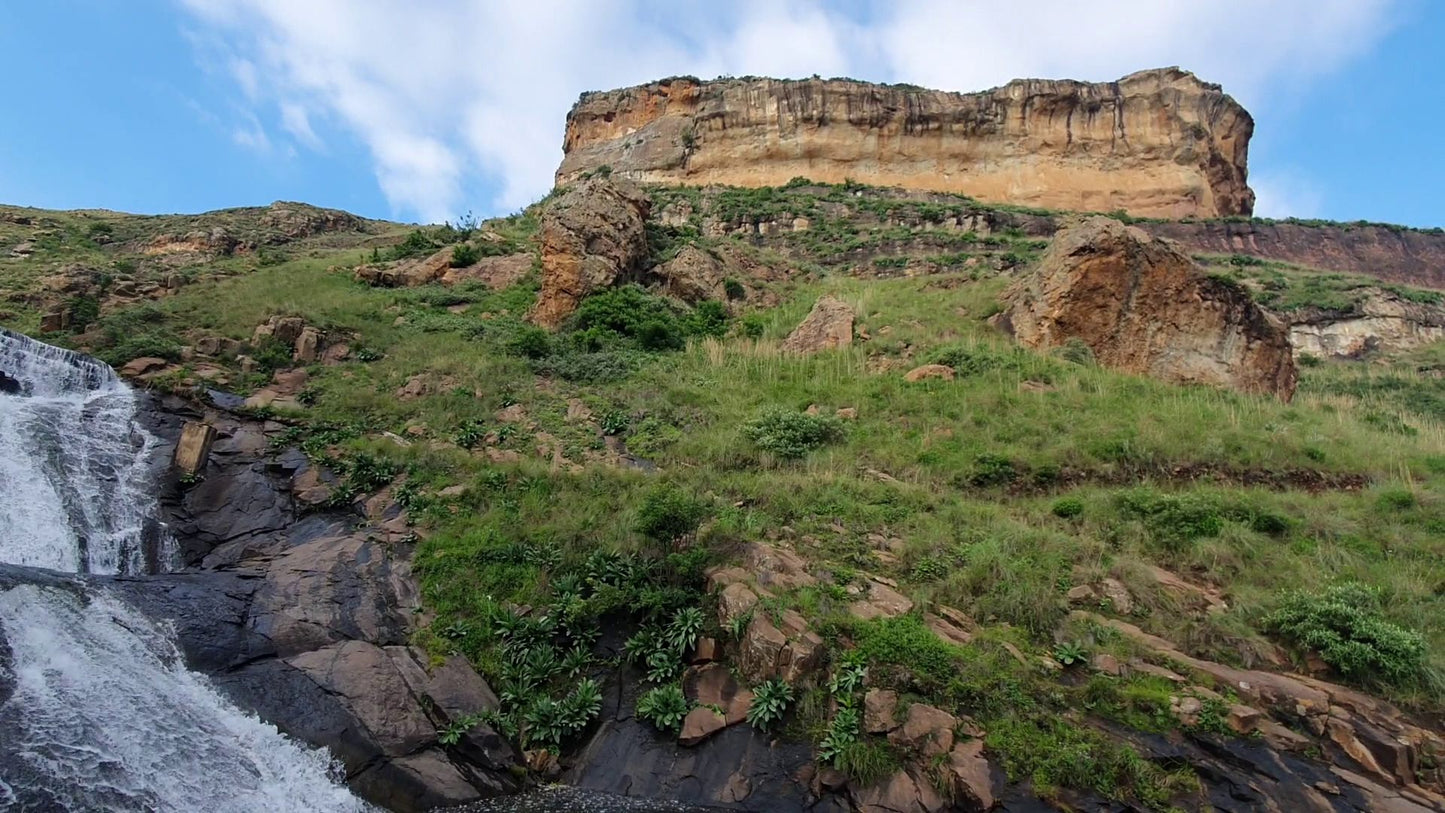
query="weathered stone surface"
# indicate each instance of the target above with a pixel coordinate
(591, 236)
(735, 601)
(879, 711)
(494, 272)
(331, 590)
(971, 779)
(407, 273)
(925, 730)
(307, 348)
(827, 326)
(904, 792)
(880, 601)
(1392, 254)
(1382, 322)
(372, 689)
(788, 650)
(777, 568)
(693, 275)
(927, 371)
(1158, 143)
(1142, 306)
(700, 723)
(141, 366)
(713, 684)
(194, 447)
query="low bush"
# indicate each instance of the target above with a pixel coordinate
(1067, 507)
(464, 254)
(1344, 625)
(668, 513)
(790, 434)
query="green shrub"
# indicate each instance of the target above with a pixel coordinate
(867, 762)
(664, 707)
(1174, 519)
(1067, 507)
(1397, 499)
(83, 310)
(590, 368)
(708, 318)
(416, 244)
(1345, 626)
(1075, 351)
(734, 290)
(465, 254)
(1057, 753)
(992, 470)
(791, 435)
(530, 342)
(668, 513)
(770, 702)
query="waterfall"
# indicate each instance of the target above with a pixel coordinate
(72, 461)
(104, 716)
(97, 709)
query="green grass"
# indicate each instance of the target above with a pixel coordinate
(1005, 497)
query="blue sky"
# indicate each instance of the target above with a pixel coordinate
(425, 109)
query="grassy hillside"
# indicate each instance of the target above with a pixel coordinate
(602, 469)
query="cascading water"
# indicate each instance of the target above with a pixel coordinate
(71, 464)
(97, 710)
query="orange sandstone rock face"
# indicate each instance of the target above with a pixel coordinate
(1143, 306)
(1157, 143)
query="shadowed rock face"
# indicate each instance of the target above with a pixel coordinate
(1156, 143)
(1142, 306)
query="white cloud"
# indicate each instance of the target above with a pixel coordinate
(296, 121)
(452, 97)
(1286, 193)
(251, 135)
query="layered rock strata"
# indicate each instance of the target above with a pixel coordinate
(1156, 143)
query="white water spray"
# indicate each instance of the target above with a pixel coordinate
(71, 464)
(97, 710)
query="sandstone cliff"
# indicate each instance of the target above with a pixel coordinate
(1155, 143)
(1142, 306)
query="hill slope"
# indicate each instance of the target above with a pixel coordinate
(998, 550)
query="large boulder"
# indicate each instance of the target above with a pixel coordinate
(827, 326)
(693, 275)
(1144, 307)
(591, 235)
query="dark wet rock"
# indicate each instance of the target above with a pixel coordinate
(8, 385)
(308, 622)
(736, 768)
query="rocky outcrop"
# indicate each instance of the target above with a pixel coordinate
(305, 617)
(591, 236)
(1158, 142)
(1389, 253)
(693, 275)
(828, 325)
(1142, 306)
(1381, 322)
